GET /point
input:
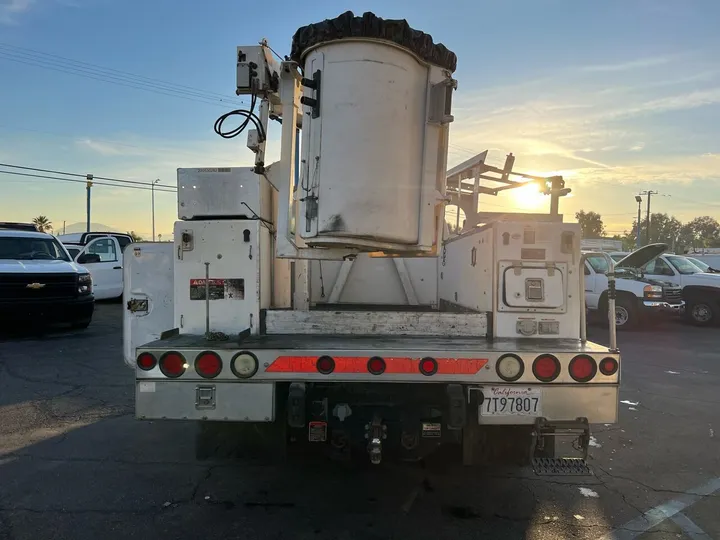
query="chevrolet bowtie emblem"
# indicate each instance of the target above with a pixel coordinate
(34, 285)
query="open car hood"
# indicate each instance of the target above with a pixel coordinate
(642, 256)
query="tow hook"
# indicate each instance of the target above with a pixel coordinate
(375, 432)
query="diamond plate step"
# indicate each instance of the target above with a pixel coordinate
(561, 467)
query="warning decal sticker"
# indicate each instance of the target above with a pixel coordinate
(219, 289)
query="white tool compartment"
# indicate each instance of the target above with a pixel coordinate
(235, 255)
(147, 296)
(533, 290)
(228, 192)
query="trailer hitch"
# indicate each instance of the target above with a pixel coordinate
(375, 432)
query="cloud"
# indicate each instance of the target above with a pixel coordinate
(10, 9)
(637, 147)
(630, 65)
(108, 148)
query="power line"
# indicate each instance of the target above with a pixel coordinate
(167, 90)
(148, 184)
(173, 86)
(94, 183)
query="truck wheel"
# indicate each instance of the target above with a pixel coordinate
(626, 314)
(700, 313)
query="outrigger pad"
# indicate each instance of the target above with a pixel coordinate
(562, 466)
(370, 25)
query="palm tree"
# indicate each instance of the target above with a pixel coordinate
(136, 237)
(43, 224)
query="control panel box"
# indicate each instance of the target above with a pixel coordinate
(223, 192)
(221, 275)
(526, 274)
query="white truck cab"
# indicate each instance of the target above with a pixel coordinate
(638, 297)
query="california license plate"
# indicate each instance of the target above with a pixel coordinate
(511, 401)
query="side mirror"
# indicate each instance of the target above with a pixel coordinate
(86, 258)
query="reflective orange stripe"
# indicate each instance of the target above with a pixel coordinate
(358, 364)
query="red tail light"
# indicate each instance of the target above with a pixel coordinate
(582, 368)
(546, 368)
(376, 365)
(146, 361)
(208, 365)
(608, 366)
(172, 364)
(325, 365)
(428, 366)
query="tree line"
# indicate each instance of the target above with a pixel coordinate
(701, 232)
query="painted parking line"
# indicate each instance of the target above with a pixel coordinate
(653, 517)
(689, 527)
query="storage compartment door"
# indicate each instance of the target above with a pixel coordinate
(538, 287)
(148, 295)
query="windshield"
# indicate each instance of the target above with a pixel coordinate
(27, 248)
(701, 265)
(683, 265)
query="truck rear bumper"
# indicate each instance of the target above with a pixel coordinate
(255, 402)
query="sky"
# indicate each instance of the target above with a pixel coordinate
(617, 96)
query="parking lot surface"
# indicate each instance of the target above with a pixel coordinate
(75, 464)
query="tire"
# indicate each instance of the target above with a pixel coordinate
(81, 324)
(701, 312)
(627, 316)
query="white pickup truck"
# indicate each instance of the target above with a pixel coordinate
(700, 290)
(639, 297)
(102, 256)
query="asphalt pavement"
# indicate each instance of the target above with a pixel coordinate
(75, 464)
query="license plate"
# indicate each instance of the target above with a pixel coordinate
(511, 401)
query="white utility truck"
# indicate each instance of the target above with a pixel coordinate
(267, 310)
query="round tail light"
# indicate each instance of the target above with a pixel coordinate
(244, 365)
(146, 361)
(509, 367)
(376, 365)
(325, 365)
(608, 366)
(582, 368)
(172, 364)
(428, 366)
(208, 365)
(546, 368)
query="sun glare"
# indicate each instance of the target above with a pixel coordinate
(528, 198)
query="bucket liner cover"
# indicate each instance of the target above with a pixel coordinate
(369, 25)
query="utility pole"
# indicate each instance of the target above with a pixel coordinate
(649, 194)
(63, 226)
(152, 191)
(88, 185)
(638, 198)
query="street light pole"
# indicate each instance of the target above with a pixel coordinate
(649, 194)
(638, 198)
(152, 191)
(88, 185)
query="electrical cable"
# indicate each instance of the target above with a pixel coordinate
(103, 77)
(191, 90)
(248, 115)
(148, 184)
(94, 183)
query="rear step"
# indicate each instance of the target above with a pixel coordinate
(578, 429)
